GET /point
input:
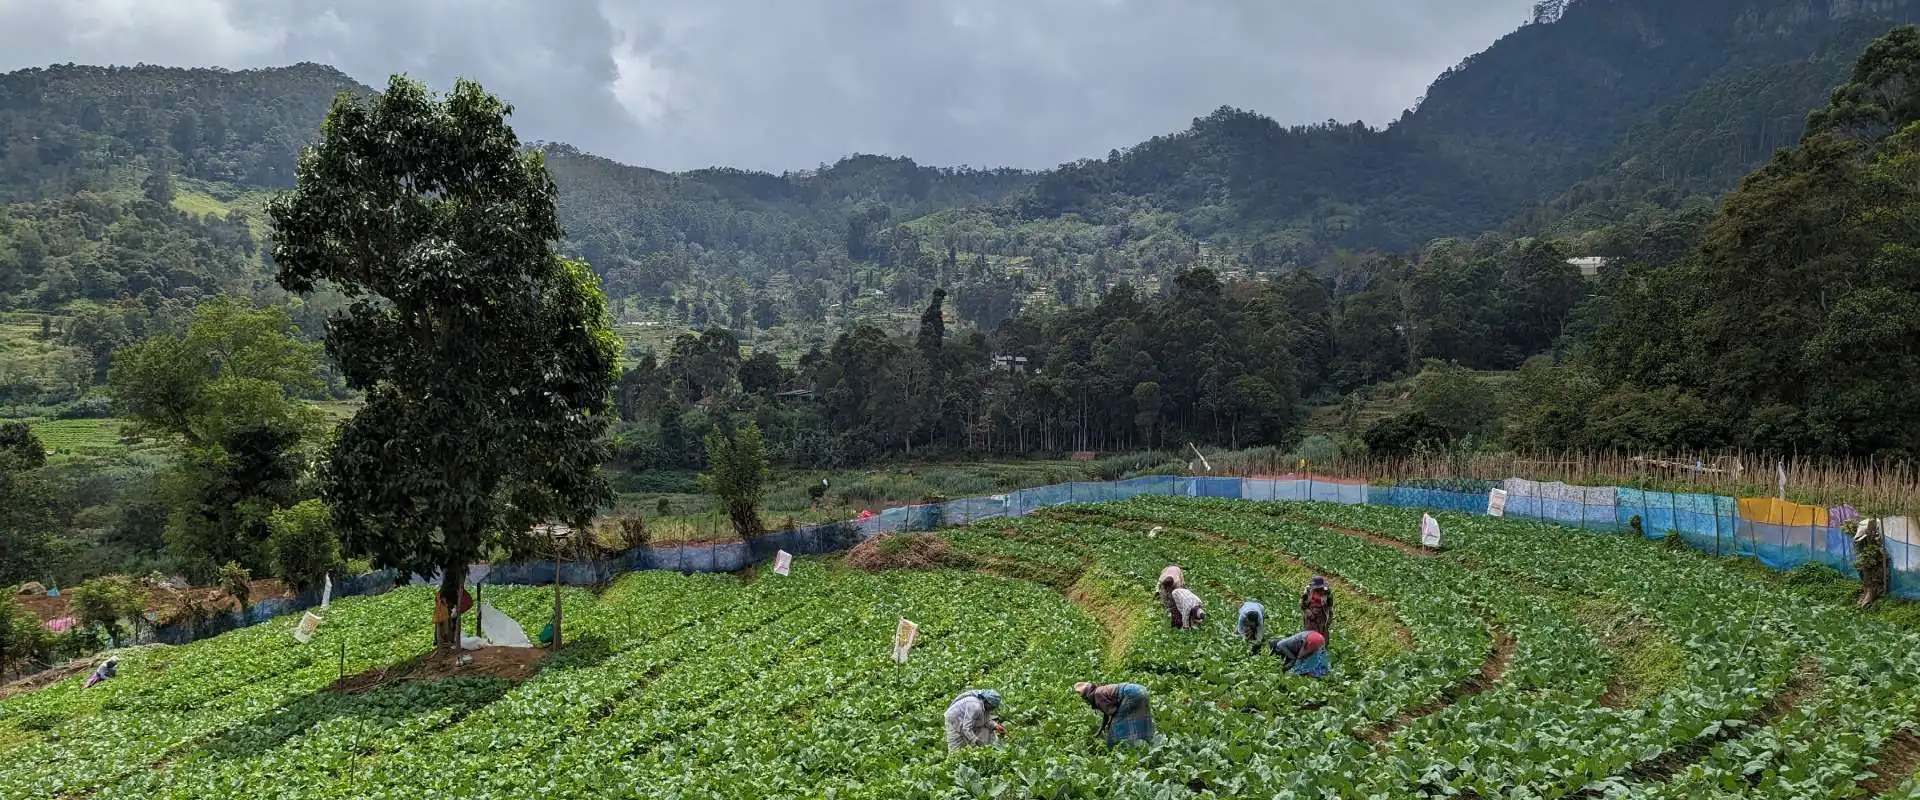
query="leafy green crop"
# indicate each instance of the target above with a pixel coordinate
(1475, 671)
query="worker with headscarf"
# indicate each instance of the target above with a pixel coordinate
(1124, 715)
(107, 670)
(1252, 623)
(1171, 578)
(1185, 608)
(1316, 607)
(1304, 653)
(970, 721)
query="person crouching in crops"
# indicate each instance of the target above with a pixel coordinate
(1185, 608)
(970, 721)
(1171, 578)
(1251, 624)
(106, 671)
(1305, 653)
(1124, 714)
(1316, 607)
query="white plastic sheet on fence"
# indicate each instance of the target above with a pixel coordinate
(1579, 506)
(1899, 529)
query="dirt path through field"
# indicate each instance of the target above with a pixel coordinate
(1898, 762)
(1499, 657)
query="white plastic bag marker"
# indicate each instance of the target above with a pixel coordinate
(303, 633)
(903, 637)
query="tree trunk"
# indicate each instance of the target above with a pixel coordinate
(446, 632)
(746, 520)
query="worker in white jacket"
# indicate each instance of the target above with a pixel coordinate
(1185, 608)
(970, 721)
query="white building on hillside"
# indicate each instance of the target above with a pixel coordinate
(1589, 265)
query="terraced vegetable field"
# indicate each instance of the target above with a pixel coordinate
(1522, 660)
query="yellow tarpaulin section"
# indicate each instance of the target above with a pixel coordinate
(1774, 511)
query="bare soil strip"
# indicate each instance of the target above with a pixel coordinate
(512, 663)
(1897, 763)
(47, 677)
(1383, 541)
(1498, 658)
(1804, 682)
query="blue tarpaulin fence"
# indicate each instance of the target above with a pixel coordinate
(1707, 522)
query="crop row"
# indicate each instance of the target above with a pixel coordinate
(714, 686)
(1748, 640)
(168, 701)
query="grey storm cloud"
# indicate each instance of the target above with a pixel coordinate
(787, 84)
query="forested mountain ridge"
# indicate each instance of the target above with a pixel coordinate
(1597, 110)
(1643, 96)
(1545, 104)
(650, 232)
(68, 128)
(1698, 147)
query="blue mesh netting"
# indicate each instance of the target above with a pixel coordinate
(1834, 548)
(183, 632)
(1432, 499)
(1906, 568)
(1298, 489)
(1708, 522)
(1781, 547)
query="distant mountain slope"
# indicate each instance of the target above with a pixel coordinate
(1699, 147)
(1545, 104)
(646, 229)
(67, 128)
(1602, 107)
(1649, 99)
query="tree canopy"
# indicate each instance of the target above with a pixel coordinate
(487, 360)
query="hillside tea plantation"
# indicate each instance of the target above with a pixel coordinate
(1520, 660)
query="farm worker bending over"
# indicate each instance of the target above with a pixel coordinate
(1185, 608)
(1124, 716)
(1305, 653)
(1316, 607)
(1171, 578)
(1253, 619)
(970, 720)
(107, 670)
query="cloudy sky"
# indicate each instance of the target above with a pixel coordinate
(788, 84)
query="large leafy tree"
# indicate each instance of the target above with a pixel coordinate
(27, 505)
(487, 360)
(237, 368)
(228, 393)
(737, 475)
